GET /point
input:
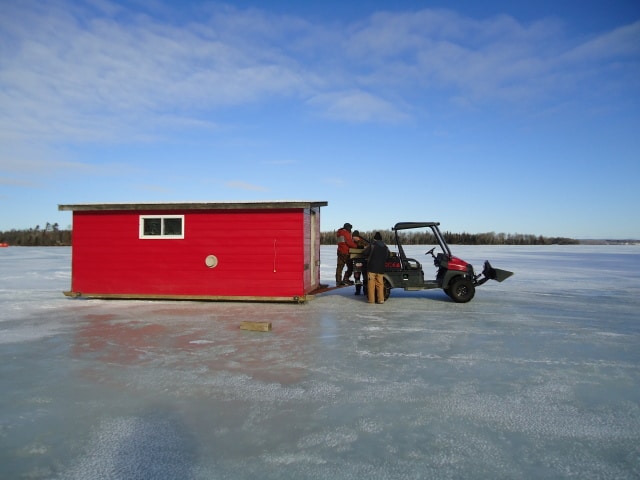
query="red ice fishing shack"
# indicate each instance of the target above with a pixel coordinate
(253, 251)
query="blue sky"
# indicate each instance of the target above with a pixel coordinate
(514, 117)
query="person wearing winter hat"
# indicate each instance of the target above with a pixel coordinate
(345, 242)
(376, 255)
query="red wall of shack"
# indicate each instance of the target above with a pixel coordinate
(261, 253)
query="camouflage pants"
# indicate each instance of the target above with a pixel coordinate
(344, 259)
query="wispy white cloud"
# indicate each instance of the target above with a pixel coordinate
(77, 75)
(239, 185)
(622, 43)
(13, 182)
(98, 71)
(358, 107)
(35, 165)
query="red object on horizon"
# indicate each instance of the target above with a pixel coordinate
(254, 251)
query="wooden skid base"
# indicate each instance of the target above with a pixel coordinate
(142, 296)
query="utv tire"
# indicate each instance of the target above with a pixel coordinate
(387, 289)
(461, 290)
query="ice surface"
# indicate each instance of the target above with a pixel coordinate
(536, 377)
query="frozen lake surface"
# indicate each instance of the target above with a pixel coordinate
(536, 377)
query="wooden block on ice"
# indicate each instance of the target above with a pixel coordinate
(256, 326)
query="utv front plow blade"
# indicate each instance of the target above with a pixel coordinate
(491, 273)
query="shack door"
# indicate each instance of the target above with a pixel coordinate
(315, 249)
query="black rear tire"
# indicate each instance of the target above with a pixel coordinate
(461, 290)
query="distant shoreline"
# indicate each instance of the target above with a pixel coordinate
(52, 236)
(609, 242)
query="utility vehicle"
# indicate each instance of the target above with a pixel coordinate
(455, 276)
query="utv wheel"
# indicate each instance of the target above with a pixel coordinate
(461, 290)
(387, 289)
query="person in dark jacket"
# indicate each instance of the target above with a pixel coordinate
(376, 254)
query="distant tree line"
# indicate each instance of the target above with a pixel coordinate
(49, 236)
(425, 237)
(52, 235)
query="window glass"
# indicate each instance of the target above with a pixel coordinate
(172, 226)
(152, 226)
(162, 226)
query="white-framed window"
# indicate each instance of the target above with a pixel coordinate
(161, 226)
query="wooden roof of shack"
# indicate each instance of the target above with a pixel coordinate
(266, 205)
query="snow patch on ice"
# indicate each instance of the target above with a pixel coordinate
(151, 447)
